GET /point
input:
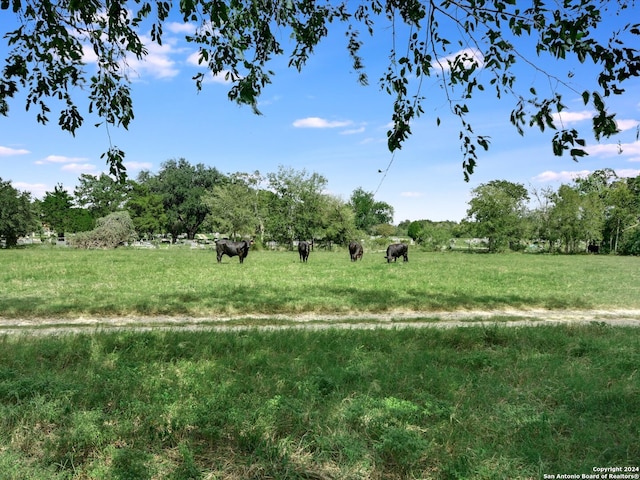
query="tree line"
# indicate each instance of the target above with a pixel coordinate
(182, 199)
(600, 210)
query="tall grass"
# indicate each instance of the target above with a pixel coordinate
(71, 283)
(477, 403)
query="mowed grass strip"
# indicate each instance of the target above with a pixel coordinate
(478, 403)
(182, 281)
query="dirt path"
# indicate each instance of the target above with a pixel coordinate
(395, 319)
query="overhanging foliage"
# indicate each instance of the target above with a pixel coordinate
(470, 46)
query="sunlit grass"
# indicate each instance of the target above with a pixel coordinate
(182, 281)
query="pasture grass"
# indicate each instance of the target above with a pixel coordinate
(479, 403)
(68, 283)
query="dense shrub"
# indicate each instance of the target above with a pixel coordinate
(631, 243)
(113, 230)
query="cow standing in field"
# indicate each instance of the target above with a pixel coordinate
(396, 250)
(303, 250)
(356, 251)
(232, 249)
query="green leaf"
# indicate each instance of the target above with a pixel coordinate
(578, 152)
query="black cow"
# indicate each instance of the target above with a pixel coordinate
(396, 250)
(227, 247)
(593, 248)
(355, 250)
(303, 250)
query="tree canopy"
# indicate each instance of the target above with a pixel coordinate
(232, 208)
(16, 214)
(369, 212)
(101, 195)
(497, 211)
(55, 208)
(181, 187)
(469, 46)
(295, 206)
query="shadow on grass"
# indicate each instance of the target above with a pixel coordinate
(465, 403)
(278, 300)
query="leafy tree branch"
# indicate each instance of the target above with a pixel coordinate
(456, 41)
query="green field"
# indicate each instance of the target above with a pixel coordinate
(72, 283)
(480, 402)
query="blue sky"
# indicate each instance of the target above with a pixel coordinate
(320, 120)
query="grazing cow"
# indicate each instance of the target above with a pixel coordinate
(303, 250)
(355, 250)
(593, 248)
(227, 247)
(396, 250)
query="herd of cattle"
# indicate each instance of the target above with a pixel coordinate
(241, 250)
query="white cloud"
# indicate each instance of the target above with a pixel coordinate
(37, 190)
(412, 194)
(613, 149)
(194, 58)
(566, 118)
(60, 159)
(624, 125)
(179, 27)
(353, 131)
(136, 166)
(8, 152)
(627, 173)
(564, 176)
(270, 101)
(223, 77)
(88, 55)
(157, 63)
(317, 122)
(79, 167)
(468, 56)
